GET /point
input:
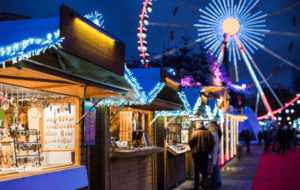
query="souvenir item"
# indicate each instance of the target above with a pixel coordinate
(5, 104)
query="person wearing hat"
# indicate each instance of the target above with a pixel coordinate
(202, 144)
(216, 175)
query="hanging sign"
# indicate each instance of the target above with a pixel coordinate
(89, 124)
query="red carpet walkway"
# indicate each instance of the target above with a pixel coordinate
(277, 172)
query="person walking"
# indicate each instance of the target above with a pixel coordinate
(247, 139)
(267, 139)
(242, 135)
(289, 137)
(201, 143)
(294, 138)
(273, 140)
(260, 136)
(216, 176)
(281, 138)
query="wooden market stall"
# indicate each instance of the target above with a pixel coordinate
(133, 133)
(176, 164)
(42, 132)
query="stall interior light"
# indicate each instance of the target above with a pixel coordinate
(96, 27)
(290, 123)
(292, 110)
(279, 118)
(288, 118)
(287, 111)
(298, 101)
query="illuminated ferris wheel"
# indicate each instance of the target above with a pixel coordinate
(225, 24)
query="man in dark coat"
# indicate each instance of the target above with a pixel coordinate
(289, 136)
(201, 143)
(267, 139)
(273, 139)
(247, 139)
(281, 138)
(260, 136)
(242, 134)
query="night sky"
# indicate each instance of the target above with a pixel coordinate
(122, 18)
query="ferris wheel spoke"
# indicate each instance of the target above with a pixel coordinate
(180, 25)
(250, 17)
(191, 44)
(266, 82)
(212, 20)
(247, 40)
(279, 57)
(213, 13)
(189, 5)
(209, 15)
(242, 8)
(213, 48)
(238, 7)
(237, 51)
(246, 46)
(247, 10)
(212, 43)
(223, 8)
(281, 33)
(235, 62)
(220, 11)
(255, 6)
(256, 19)
(253, 31)
(291, 7)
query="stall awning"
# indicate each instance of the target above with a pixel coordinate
(60, 179)
(160, 95)
(38, 76)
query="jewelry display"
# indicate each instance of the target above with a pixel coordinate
(59, 127)
(25, 115)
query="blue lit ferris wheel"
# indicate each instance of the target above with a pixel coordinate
(224, 25)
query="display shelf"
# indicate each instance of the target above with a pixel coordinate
(120, 153)
(176, 152)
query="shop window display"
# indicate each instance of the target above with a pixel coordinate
(37, 130)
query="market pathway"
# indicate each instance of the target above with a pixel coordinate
(237, 174)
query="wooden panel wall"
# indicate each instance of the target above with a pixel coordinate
(160, 140)
(189, 164)
(132, 173)
(125, 120)
(175, 170)
(99, 171)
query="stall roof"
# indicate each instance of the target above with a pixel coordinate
(25, 38)
(148, 91)
(29, 43)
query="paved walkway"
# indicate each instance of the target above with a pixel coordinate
(237, 174)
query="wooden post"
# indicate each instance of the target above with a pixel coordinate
(89, 165)
(77, 153)
(234, 133)
(165, 157)
(227, 134)
(107, 144)
(237, 131)
(231, 136)
(222, 143)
